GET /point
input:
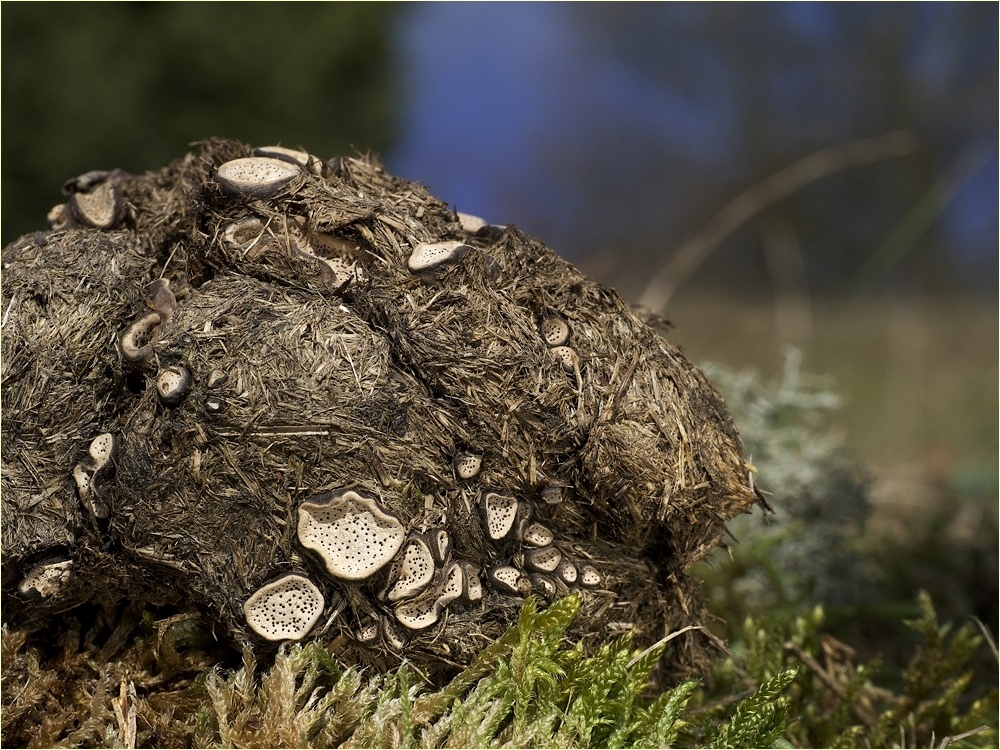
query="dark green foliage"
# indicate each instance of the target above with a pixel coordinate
(757, 721)
(836, 700)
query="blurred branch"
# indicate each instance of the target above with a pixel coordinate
(757, 197)
(919, 218)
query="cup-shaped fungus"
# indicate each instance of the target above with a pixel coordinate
(89, 473)
(471, 223)
(555, 331)
(537, 535)
(506, 578)
(417, 615)
(214, 405)
(392, 636)
(467, 465)
(102, 449)
(217, 378)
(46, 579)
(589, 576)
(426, 255)
(439, 543)
(137, 342)
(59, 217)
(100, 208)
(285, 609)
(553, 494)
(544, 560)
(255, 176)
(173, 384)
(472, 586)
(339, 254)
(350, 533)
(345, 270)
(415, 571)
(453, 587)
(241, 235)
(499, 512)
(567, 356)
(291, 155)
(568, 572)
(367, 631)
(543, 584)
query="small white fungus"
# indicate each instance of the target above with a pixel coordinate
(537, 535)
(173, 384)
(567, 356)
(545, 560)
(499, 512)
(505, 578)
(368, 632)
(291, 155)
(470, 223)
(589, 576)
(567, 571)
(553, 494)
(256, 176)
(544, 583)
(98, 208)
(454, 585)
(241, 235)
(555, 331)
(46, 579)
(429, 254)
(417, 615)
(473, 591)
(284, 610)
(136, 342)
(467, 465)
(439, 543)
(416, 571)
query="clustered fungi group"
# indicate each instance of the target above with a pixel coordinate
(355, 539)
(352, 535)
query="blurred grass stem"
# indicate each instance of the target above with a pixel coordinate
(754, 199)
(920, 218)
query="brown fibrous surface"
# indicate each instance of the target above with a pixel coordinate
(304, 383)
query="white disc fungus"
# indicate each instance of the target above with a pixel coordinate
(416, 571)
(467, 465)
(545, 560)
(499, 512)
(555, 331)
(567, 356)
(589, 576)
(284, 610)
(429, 254)
(352, 535)
(506, 578)
(256, 176)
(537, 535)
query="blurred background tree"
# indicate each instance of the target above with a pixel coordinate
(630, 126)
(616, 132)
